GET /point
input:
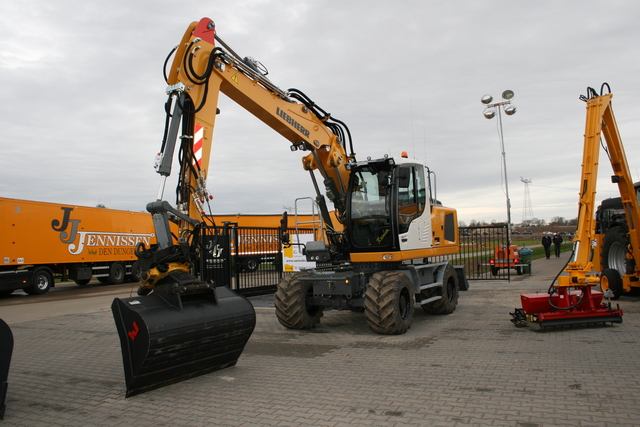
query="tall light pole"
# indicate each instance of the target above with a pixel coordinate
(490, 113)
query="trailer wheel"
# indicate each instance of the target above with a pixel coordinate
(519, 271)
(292, 303)
(82, 282)
(136, 272)
(494, 270)
(41, 282)
(251, 263)
(611, 279)
(450, 290)
(389, 302)
(614, 251)
(116, 273)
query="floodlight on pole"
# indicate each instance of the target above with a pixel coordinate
(489, 113)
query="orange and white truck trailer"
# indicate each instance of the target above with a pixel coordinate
(39, 241)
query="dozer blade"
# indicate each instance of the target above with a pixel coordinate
(6, 348)
(167, 338)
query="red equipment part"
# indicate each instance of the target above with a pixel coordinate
(565, 306)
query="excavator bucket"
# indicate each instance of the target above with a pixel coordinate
(167, 337)
(6, 348)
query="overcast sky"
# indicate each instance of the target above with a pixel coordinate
(83, 95)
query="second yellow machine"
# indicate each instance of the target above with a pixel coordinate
(375, 258)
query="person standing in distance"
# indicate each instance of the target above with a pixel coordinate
(557, 242)
(546, 243)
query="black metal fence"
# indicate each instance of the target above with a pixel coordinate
(251, 259)
(477, 248)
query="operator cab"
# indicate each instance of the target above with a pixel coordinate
(387, 200)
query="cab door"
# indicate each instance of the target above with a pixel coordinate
(414, 210)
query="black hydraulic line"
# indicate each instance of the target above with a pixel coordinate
(566, 308)
(338, 127)
(550, 290)
(592, 93)
(166, 61)
(344, 126)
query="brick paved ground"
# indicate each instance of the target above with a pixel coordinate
(472, 367)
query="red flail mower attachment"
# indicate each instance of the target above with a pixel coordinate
(565, 306)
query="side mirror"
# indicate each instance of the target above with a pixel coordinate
(404, 176)
(285, 238)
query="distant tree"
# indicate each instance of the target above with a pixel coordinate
(462, 224)
(100, 205)
(558, 220)
(573, 222)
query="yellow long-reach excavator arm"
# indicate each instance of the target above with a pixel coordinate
(600, 121)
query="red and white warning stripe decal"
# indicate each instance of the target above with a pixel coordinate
(198, 135)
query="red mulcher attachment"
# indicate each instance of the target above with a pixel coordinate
(6, 348)
(565, 306)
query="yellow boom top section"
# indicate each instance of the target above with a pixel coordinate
(202, 71)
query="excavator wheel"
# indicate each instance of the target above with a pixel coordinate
(292, 306)
(450, 290)
(611, 279)
(389, 301)
(614, 251)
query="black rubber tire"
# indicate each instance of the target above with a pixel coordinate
(82, 282)
(41, 282)
(450, 291)
(116, 273)
(611, 279)
(389, 302)
(292, 306)
(251, 264)
(494, 270)
(136, 272)
(519, 271)
(614, 250)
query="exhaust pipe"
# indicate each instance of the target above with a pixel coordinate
(171, 336)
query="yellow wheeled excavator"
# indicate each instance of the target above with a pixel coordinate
(376, 259)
